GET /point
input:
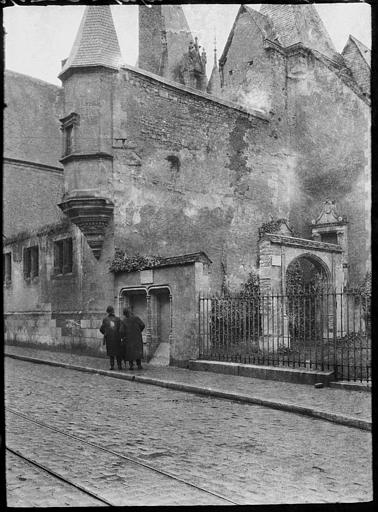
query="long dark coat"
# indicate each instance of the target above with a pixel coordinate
(131, 334)
(110, 328)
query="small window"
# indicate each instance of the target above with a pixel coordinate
(7, 267)
(68, 134)
(63, 256)
(230, 72)
(69, 128)
(175, 163)
(31, 262)
(329, 238)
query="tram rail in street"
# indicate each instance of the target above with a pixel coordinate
(111, 452)
(56, 475)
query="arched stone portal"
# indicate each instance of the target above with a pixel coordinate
(321, 261)
(308, 270)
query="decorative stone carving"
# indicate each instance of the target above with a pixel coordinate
(192, 67)
(328, 215)
(91, 215)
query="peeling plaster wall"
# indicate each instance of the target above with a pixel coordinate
(233, 173)
(330, 135)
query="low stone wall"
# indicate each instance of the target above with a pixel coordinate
(55, 331)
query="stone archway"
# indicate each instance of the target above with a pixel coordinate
(308, 271)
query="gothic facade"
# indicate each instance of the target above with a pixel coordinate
(150, 185)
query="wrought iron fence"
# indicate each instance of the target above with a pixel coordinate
(305, 328)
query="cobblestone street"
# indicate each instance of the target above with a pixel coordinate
(249, 454)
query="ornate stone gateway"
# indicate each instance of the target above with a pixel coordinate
(321, 262)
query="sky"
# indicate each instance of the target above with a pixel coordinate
(39, 38)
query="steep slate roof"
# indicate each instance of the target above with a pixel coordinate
(358, 59)
(364, 50)
(96, 42)
(300, 23)
(263, 23)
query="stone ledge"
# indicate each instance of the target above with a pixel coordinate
(275, 373)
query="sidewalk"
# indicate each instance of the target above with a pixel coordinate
(351, 408)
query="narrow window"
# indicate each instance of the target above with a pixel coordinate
(58, 257)
(34, 261)
(7, 267)
(68, 133)
(63, 256)
(31, 262)
(69, 129)
(27, 263)
(67, 256)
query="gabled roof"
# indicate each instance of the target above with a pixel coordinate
(364, 50)
(300, 23)
(262, 22)
(96, 42)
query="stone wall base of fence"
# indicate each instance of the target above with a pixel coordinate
(298, 376)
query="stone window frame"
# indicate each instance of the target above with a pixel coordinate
(69, 128)
(7, 268)
(30, 262)
(63, 256)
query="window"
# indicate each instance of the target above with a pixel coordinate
(68, 133)
(329, 238)
(69, 127)
(7, 267)
(31, 262)
(63, 256)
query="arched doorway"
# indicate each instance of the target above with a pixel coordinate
(154, 306)
(307, 271)
(309, 301)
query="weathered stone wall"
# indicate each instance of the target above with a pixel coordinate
(30, 196)
(253, 76)
(193, 174)
(32, 178)
(330, 134)
(31, 119)
(58, 310)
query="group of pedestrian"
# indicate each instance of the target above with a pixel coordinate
(123, 338)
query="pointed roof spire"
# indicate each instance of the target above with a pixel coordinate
(96, 42)
(215, 50)
(214, 86)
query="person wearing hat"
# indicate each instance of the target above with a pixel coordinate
(131, 336)
(110, 328)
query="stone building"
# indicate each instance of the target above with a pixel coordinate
(150, 185)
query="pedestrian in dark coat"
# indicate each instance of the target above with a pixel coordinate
(110, 328)
(131, 335)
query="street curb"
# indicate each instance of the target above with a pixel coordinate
(189, 388)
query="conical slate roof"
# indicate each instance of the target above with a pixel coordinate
(300, 23)
(96, 42)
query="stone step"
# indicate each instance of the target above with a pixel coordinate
(277, 373)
